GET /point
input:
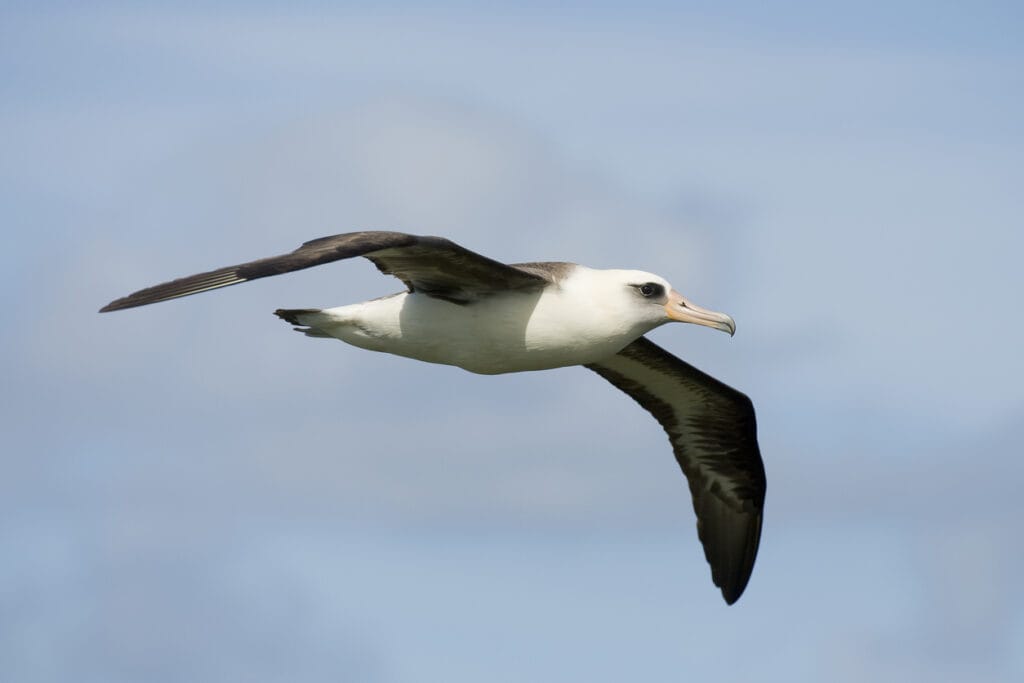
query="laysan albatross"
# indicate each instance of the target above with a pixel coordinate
(463, 309)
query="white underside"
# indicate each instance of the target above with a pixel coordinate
(581, 321)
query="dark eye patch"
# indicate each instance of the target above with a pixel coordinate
(651, 290)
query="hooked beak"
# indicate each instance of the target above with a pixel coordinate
(679, 308)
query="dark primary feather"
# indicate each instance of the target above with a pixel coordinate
(431, 265)
(714, 436)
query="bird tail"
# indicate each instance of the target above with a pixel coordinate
(304, 319)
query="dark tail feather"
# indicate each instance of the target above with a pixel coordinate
(291, 315)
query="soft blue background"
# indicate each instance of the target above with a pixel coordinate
(191, 492)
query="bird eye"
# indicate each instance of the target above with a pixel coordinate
(650, 289)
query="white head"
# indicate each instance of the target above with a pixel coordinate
(648, 300)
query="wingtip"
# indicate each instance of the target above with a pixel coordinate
(733, 582)
(121, 304)
(732, 593)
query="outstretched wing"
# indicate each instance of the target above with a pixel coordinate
(714, 435)
(431, 265)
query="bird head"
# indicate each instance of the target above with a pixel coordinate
(660, 303)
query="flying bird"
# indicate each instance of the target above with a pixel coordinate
(463, 309)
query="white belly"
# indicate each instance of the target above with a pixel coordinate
(507, 333)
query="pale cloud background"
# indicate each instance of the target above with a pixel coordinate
(192, 492)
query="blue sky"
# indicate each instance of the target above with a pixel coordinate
(191, 491)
